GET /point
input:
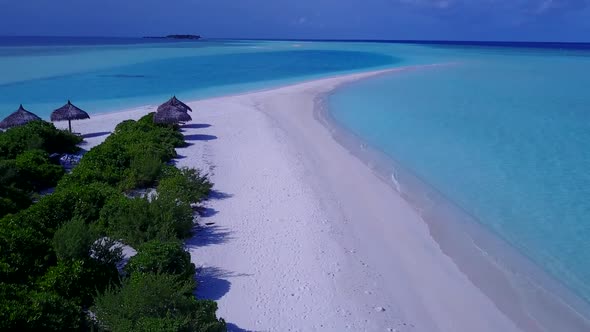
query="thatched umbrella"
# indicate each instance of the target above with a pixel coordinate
(171, 116)
(69, 112)
(174, 103)
(18, 118)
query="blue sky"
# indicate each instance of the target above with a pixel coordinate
(540, 20)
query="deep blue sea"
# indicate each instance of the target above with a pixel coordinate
(502, 130)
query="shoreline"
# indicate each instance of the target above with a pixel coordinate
(347, 237)
(471, 245)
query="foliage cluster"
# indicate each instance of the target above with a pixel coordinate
(186, 184)
(168, 306)
(130, 158)
(138, 220)
(38, 135)
(159, 257)
(25, 164)
(59, 256)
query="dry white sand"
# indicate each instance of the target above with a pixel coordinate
(301, 235)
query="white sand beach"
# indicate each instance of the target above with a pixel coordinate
(301, 235)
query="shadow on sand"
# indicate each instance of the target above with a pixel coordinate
(174, 161)
(213, 283)
(234, 328)
(219, 195)
(207, 212)
(196, 126)
(208, 235)
(199, 137)
(98, 134)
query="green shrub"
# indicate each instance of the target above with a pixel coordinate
(129, 158)
(178, 213)
(35, 170)
(51, 211)
(185, 184)
(167, 135)
(8, 172)
(26, 252)
(37, 135)
(25, 164)
(162, 257)
(15, 307)
(67, 279)
(26, 237)
(13, 199)
(79, 280)
(143, 170)
(73, 239)
(24, 309)
(106, 251)
(45, 216)
(131, 220)
(87, 200)
(137, 220)
(55, 301)
(168, 306)
(9, 187)
(104, 163)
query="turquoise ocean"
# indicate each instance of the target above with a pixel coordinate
(502, 131)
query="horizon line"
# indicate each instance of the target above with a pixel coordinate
(321, 39)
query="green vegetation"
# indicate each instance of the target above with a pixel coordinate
(58, 267)
(35, 171)
(168, 306)
(132, 157)
(162, 257)
(36, 135)
(138, 220)
(186, 184)
(25, 166)
(72, 241)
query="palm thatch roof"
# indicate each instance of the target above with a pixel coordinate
(69, 112)
(18, 118)
(171, 116)
(174, 103)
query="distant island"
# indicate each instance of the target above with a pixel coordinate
(191, 37)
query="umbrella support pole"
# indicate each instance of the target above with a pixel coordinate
(70, 125)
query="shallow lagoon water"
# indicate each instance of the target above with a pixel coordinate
(102, 78)
(504, 136)
(166, 77)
